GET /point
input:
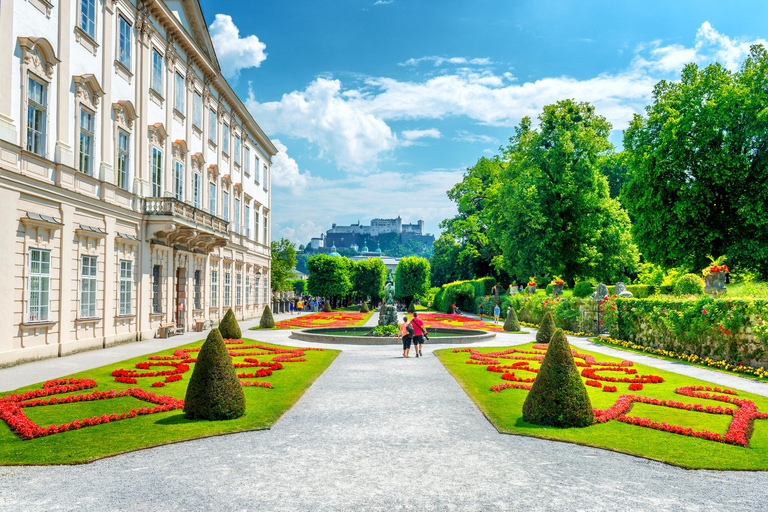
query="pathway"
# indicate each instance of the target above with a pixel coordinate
(378, 432)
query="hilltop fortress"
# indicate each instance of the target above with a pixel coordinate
(357, 236)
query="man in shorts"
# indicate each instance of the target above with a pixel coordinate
(496, 313)
(419, 332)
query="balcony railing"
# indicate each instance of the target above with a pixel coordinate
(172, 207)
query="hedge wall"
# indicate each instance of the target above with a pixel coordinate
(463, 294)
(721, 329)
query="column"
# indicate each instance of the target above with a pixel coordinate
(63, 153)
(7, 44)
(141, 140)
(106, 171)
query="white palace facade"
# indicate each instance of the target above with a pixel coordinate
(134, 184)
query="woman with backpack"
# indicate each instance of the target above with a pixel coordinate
(405, 333)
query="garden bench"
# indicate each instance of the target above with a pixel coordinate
(201, 325)
(166, 329)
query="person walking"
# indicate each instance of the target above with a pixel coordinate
(419, 332)
(480, 311)
(405, 333)
(496, 313)
(290, 307)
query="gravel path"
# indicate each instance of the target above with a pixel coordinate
(379, 432)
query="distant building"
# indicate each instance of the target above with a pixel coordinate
(390, 263)
(360, 235)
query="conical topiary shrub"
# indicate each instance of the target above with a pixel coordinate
(327, 307)
(214, 391)
(558, 396)
(267, 320)
(229, 328)
(546, 328)
(364, 308)
(512, 324)
(412, 307)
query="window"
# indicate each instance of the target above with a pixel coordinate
(266, 229)
(157, 299)
(256, 174)
(237, 216)
(157, 72)
(266, 291)
(157, 172)
(247, 159)
(247, 288)
(124, 42)
(237, 150)
(197, 181)
(123, 154)
(227, 289)
(88, 287)
(212, 198)
(266, 177)
(178, 180)
(256, 225)
(39, 284)
(86, 141)
(88, 17)
(212, 126)
(247, 222)
(197, 110)
(239, 290)
(126, 286)
(214, 288)
(256, 290)
(225, 138)
(196, 285)
(179, 93)
(225, 205)
(36, 117)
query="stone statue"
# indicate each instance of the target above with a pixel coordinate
(389, 288)
(388, 313)
(601, 292)
(621, 291)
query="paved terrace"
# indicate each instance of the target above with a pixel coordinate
(375, 432)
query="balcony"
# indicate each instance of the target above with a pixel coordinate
(175, 223)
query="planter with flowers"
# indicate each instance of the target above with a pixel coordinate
(714, 276)
(531, 285)
(557, 286)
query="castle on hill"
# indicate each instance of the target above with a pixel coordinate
(357, 236)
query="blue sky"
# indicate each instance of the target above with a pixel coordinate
(378, 106)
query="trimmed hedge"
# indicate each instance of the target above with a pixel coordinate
(511, 324)
(214, 391)
(412, 307)
(267, 320)
(583, 289)
(558, 396)
(327, 307)
(639, 291)
(546, 329)
(229, 328)
(689, 284)
(364, 308)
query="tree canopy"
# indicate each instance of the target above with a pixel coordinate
(411, 278)
(283, 263)
(328, 275)
(368, 277)
(699, 160)
(448, 263)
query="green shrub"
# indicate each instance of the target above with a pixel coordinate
(583, 289)
(412, 307)
(558, 396)
(546, 328)
(364, 308)
(437, 304)
(383, 330)
(327, 306)
(267, 320)
(214, 391)
(548, 289)
(229, 328)
(484, 285)
(689, 284)
(511, 324)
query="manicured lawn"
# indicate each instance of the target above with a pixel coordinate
(504, 410)
(323, 319)
(264, 406)
(459, 322)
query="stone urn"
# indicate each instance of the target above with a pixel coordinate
(557, 290)
(531, 289)
(714, 283)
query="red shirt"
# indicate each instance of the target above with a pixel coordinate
(418, 326)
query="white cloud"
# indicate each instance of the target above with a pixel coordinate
(439, 61)
(285, 170)
(235, 53)
(383, 2)
(322, 115)
(474, 138)
(432, 133)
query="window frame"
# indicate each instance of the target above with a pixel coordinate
(89, 272)
(196, 288)
(180, 89)
(247, 221)
(213, 122)
(123, 159)
(92, 20)
(87, 134)
(178, 180)
(156, 76)
(156, 168)
(125, 288)
(238, 289)
(225, 205)
(124, 56)
(246, 160)
(197, 180)
(225, 138)
(197, 110)
(156, 284)
(212, 198)
(33, 105)
(227, 289)
(42, 291)
(238, 148)
(236, 213)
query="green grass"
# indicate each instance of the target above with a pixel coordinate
(263, 408)
(504, 410)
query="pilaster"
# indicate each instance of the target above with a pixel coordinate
(65, 274)
(63, 152)
(106, 171)
(7, 127)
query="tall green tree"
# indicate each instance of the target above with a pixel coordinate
(411, 278)
(699, 160)
(448, 263)
(368, 277)
(283, 263)
(328, 276)
(555, 212)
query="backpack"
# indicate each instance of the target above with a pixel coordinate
(409, 330)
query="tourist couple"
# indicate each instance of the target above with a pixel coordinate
(412, 331)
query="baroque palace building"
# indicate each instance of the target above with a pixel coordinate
(134, 184)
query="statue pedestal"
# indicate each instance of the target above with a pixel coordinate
(388, 315)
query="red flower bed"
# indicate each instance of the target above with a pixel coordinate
(11, 407)
(610, 389)
(446, 321)
(322, 319)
